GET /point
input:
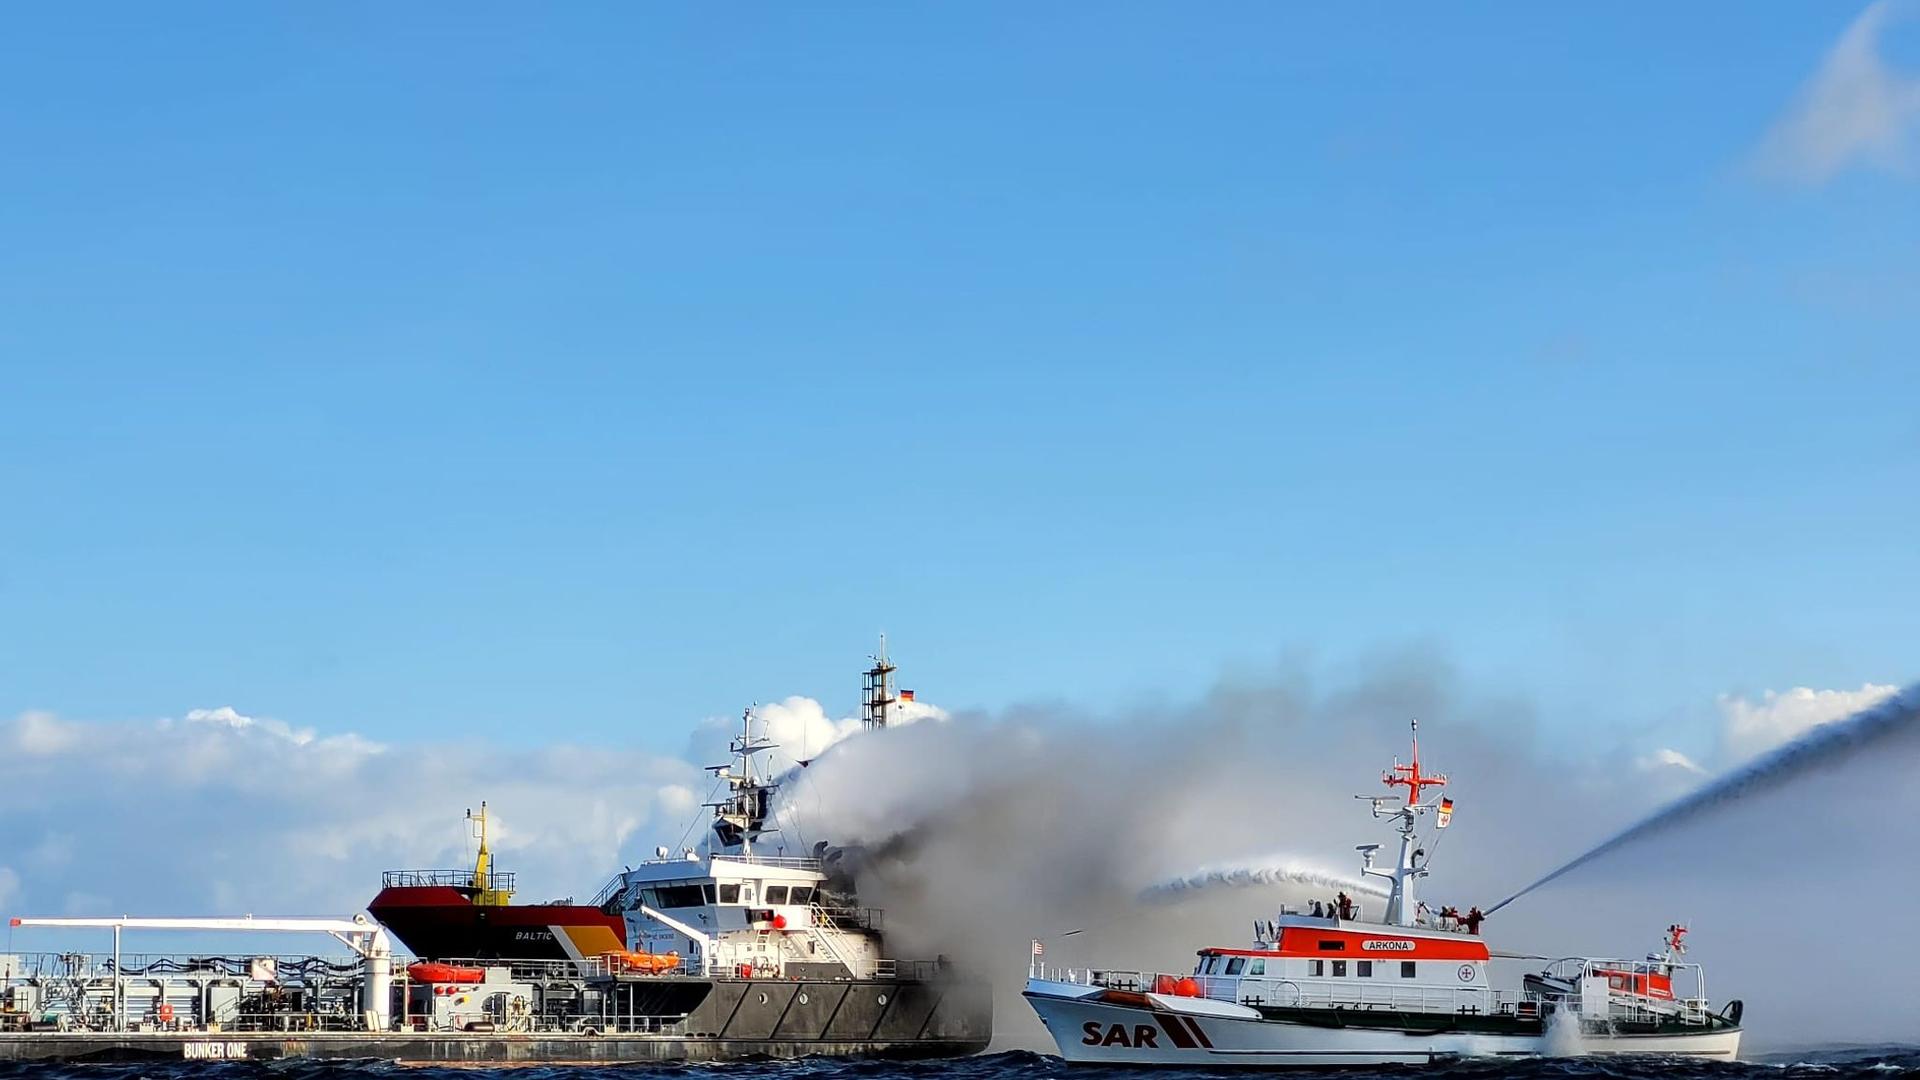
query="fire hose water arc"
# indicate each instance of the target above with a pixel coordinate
(1823, 747)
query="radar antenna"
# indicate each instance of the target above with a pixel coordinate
(742, 814)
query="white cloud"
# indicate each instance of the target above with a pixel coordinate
(220, 808)
(41, 733)
(1856, 111)
(1754, 726)
(1669, 758)
(799, 728)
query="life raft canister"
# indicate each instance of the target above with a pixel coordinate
(1176, 986)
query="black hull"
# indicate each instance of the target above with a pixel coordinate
(732, 1019)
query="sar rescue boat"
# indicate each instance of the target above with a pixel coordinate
(1333, 988)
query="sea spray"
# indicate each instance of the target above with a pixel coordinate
(1823, 747)
(1563, 1038)
(1270, 870)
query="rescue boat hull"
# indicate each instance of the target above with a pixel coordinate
(1091, 1027)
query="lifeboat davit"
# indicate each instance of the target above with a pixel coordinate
(428, 971)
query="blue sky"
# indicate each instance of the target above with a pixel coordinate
(458, 371)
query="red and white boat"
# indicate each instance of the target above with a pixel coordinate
(1314, 990)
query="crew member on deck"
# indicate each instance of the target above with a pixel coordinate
(1473, 920)
(1346, 905)
(1317, 913)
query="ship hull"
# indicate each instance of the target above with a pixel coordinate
(439, 923)
(735, 1018)
(1089, 1029)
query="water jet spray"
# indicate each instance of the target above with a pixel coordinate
(1822, 747)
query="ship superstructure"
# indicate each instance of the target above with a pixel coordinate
(1413, 985)
(745, 906)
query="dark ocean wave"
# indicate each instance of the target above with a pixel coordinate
(1850, 1063)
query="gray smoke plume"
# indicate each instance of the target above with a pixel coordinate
(985, 831)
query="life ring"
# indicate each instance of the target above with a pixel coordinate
(165, 1012)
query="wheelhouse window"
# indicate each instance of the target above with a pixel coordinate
(1236, 965)
(684, 895)
(707, 891)
(1339, 968)
(1406, 969)
(1257, 967)
(776, 894)
(729, 892)
(1363, 968)
(802, 894)
(1316, 967)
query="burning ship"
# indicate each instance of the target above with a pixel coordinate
(703, 956)
(1330, 988)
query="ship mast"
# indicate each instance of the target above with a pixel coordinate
(484, 893)
(741, 816)
(1402, 904)
(877, 695)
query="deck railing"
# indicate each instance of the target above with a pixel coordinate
(499, 881)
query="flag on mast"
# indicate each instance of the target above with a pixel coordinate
(1445, 815)
(1038, 948)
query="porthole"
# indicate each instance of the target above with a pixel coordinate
(803, 997)
(881, 1000)
(763, 997)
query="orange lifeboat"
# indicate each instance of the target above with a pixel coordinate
(432, 972)
(646, 963)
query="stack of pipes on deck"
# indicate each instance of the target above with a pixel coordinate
(364, 937)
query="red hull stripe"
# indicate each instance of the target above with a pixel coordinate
(1349, 945)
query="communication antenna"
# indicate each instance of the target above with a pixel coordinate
(877, 696)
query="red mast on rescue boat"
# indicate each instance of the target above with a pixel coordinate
(1402, 905)
(1410, 776)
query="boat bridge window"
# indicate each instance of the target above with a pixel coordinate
(1333, 946)
(802, 894)
(1363, 968)
(730, 892)
(1339, 967)
(1258, 967)
(683, 895)
(1236, 964)
(1406, 969)
(1316, 967)
(776, 894)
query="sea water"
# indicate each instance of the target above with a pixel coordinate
(1855, 1063)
